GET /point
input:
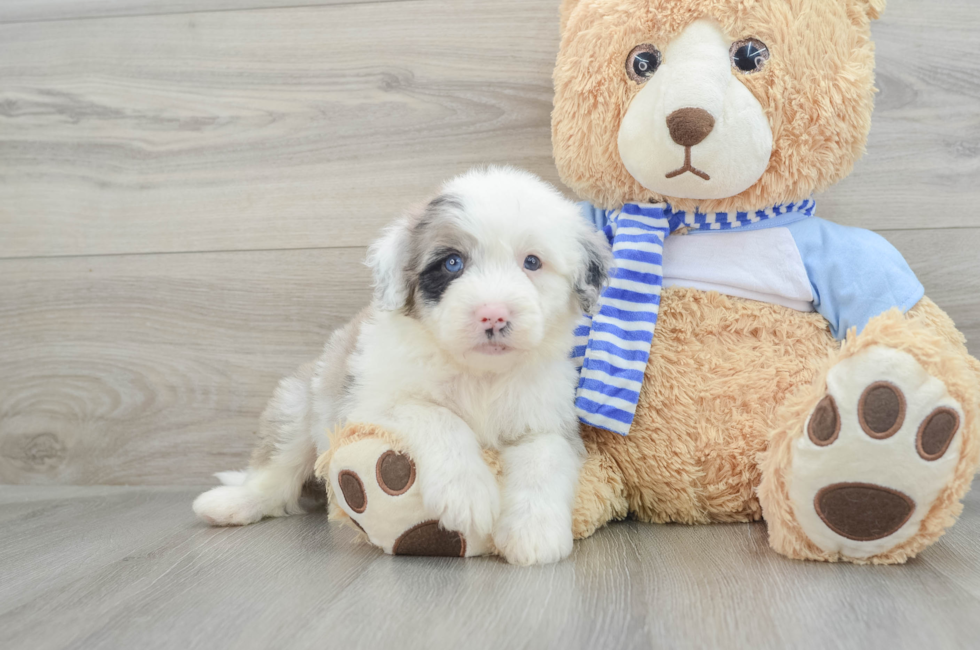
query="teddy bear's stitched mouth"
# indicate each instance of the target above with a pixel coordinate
(688, 167)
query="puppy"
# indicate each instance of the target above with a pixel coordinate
(465, 346)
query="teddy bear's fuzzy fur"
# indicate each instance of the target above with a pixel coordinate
(728, 387)
(731, 383)
(818, 97)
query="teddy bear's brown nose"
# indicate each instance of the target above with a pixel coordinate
(690, 126)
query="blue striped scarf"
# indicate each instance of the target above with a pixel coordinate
(612, 348)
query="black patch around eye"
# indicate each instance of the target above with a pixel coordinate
(435, 278)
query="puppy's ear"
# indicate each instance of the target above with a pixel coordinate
(593, 271)
(388, 259)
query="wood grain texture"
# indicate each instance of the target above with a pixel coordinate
(152, 369)
(261, 129)
(313, 126)
(20, 11)
(101, 568)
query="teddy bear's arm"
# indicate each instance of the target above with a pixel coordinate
(855, 274)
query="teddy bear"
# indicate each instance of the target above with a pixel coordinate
(749, 360)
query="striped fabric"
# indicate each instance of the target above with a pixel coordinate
(612, 348)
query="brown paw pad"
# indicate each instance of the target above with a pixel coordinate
(881, 410)
(936, 433)
(861, 511)
(429, 540)
(353, 489)
(824, 426)
(395, 472)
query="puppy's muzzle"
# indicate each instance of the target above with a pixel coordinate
(493, 320)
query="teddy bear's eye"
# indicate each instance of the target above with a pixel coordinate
(749, 55)
(642, 62)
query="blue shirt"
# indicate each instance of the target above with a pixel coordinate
(853, 274)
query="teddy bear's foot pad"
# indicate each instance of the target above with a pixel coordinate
(878, 450)
(429, 539)
(861, 511)
(376, 487)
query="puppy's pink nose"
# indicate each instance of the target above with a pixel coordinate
(492, 316)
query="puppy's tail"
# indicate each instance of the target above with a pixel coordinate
(231, 478)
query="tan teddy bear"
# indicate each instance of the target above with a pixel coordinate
(796, 371)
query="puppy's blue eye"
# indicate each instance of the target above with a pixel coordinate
(532, 263)
(454, 264)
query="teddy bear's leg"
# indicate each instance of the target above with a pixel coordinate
(372, 484)
(869, 464)
(601, 495)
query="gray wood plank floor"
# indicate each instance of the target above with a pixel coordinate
(118, 567)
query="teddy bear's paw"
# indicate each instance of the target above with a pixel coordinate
(876, 453)
(379, 489)
(527, 540)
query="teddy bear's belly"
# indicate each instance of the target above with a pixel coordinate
(719, 369)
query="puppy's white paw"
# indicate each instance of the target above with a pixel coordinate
(228, 505)
(467, 500)
(528, 540)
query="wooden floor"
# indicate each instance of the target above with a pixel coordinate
(187, 188)
(129, 567)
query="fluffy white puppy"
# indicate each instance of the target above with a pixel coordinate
(465, 346)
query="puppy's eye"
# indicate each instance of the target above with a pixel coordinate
(749, 55)
(642, 62)
(532, 263)
(453, 263)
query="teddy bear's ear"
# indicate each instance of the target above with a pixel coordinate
(568, 5)
(873, 8)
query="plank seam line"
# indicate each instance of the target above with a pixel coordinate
(201, 11)
(4, 258)
(202, 252)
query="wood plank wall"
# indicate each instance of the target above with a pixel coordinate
(186, 190)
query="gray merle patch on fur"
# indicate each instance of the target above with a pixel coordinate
(444, 201)
(596, 273)
(434, 238)
(348, 386)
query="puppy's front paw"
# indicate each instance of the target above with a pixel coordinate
(228, 505)
(526, 540)
(467, 500)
